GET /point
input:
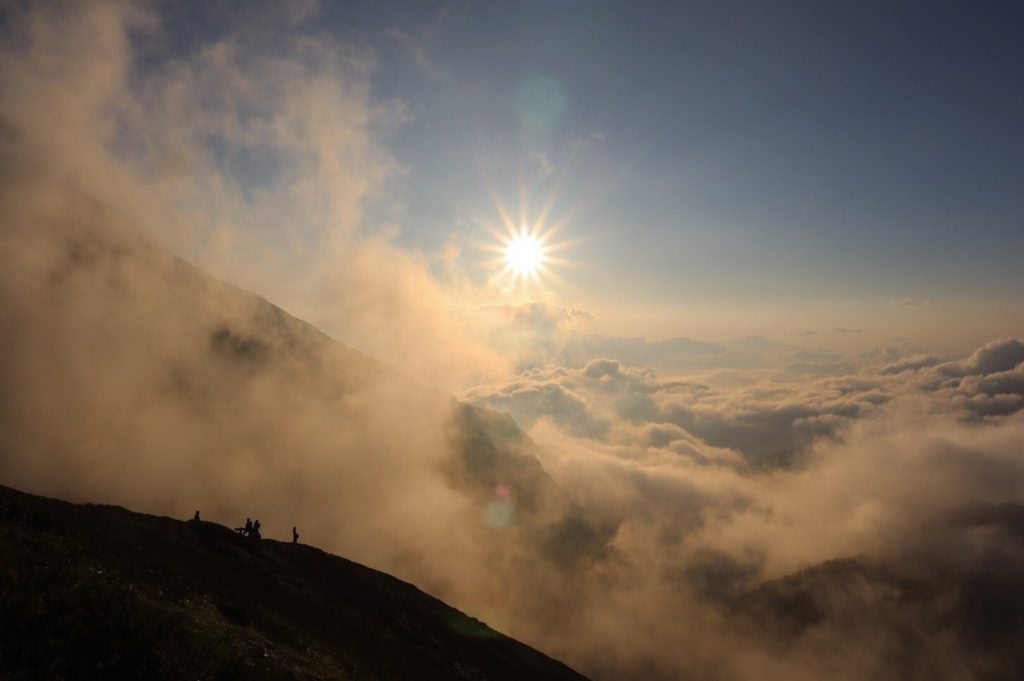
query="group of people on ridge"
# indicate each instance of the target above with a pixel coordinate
(252, 529)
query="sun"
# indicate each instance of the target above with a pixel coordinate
(524, 254)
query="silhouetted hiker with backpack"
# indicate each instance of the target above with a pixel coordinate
(255, 531)
(196, 517)
(295, 535)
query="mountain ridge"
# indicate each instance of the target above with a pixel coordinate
(98, 591)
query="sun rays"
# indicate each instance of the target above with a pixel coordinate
(525, 257)
(526, 251)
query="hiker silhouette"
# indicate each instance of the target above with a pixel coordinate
(251, 529)
(295, 535)
(196, 517)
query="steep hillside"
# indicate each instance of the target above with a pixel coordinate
(100, 592)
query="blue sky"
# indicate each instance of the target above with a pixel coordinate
(777, 154)
(855, 146)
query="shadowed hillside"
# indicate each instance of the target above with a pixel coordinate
(929, 619)
(101, 592)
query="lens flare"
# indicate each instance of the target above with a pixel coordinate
(501, 510)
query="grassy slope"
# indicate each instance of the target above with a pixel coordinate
(101, 592)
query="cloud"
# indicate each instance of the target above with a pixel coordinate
(755, 341)
(413, 47)
(994, 394)
(820, 362)
(233, 155)
(910, 303)
(689, 537)
(711, 492)
(532, 399)
(540, 334)
(580, 145)
(417, 43)
(532, 334)
(764, 424)
(1000, 355)
(844, 330)
(545, 167)
(912, 363)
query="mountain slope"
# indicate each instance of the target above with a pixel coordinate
(956, 616)
(100, 592)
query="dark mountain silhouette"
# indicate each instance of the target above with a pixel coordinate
(927, 616)
(96, 592)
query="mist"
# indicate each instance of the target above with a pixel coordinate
(668, 505)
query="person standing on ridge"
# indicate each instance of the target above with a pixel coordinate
(295, 535)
